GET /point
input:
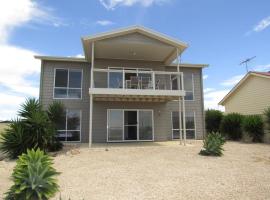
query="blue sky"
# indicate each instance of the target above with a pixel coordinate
(220, 33)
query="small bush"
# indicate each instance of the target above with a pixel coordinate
(212, 145)
(253, 126)
(33, 177)
(212, 120)
(231, 126)
(267, 117)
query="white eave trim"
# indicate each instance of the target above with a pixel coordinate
(190, 65)
(55, 58)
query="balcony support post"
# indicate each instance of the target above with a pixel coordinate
(180, 121)
(184, 111)
(91, 96)
(179, 100)
(90, 120)
(184, 119)
(92, 66)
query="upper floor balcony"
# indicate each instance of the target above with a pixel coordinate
(132, 84)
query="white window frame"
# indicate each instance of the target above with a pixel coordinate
(123, 125)
(193, 94)
(195, 128)
(67, 88)
(66, 130)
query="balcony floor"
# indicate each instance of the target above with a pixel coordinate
(133, 98)
(135, 95)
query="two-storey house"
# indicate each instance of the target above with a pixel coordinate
(131, 86)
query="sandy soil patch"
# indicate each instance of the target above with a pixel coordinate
(159, 171)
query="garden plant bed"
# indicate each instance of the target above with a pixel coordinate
(158, 171)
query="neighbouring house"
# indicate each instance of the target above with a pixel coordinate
(127, 88)
(250, 96)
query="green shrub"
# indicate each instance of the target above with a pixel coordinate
(14, 141)
(56, 114)
(231, 126)
(212, 145)
(267, 117)
(30, 106)
(33, 177)
(212, 120)
(33, 130)
(253, 126)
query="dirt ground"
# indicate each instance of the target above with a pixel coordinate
(163, 170)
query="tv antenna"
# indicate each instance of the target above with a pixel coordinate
(246, 62)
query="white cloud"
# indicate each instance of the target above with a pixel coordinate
(104, 22)
(262, 68)
(18, 68)
(211, 99)
(15, 72)
(205, 77)
(263, 24)
(78, 56)
(206, 90)
(112, 4)
(232, 81)
(9, 105)
(14, 13)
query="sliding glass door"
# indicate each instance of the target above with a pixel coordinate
(145, 125)
(130, 125)
(115, 125)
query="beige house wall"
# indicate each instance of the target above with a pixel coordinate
(252, 97)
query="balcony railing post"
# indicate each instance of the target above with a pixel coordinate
(123, 80)
(153, 80)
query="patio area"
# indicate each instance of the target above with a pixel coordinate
(158, 170)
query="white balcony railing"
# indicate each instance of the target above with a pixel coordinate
(137, 79)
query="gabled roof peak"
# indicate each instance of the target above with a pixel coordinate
(131, 29)
(167, 52)
(250, 73)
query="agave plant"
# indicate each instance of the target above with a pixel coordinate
(212, 145)
(33, 177)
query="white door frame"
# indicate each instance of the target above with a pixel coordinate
(123, 125)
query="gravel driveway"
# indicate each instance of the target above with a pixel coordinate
(160, 171)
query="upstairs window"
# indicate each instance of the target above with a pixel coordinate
(189, 86)
(68, 84)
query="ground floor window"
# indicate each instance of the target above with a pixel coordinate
(129, 125)
(190, 125)
(69, 129)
